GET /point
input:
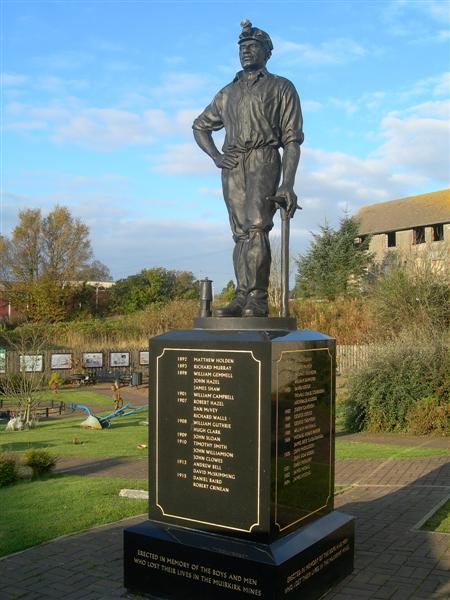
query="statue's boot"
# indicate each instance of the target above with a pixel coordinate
(256, 305)
(258, 259)
(234, 308)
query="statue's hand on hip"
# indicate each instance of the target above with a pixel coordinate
(226, 160)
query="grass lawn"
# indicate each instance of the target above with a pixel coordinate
(361, 450)
(57, 436)
(83, 395)
(440, 521)
(37, 511)
(125, 433)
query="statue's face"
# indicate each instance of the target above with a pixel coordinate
(252, 55)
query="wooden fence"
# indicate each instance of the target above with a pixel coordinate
(127, 361)
(69, 362)
(351, 357)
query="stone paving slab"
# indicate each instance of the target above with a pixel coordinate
(393, 561)
(429, 470)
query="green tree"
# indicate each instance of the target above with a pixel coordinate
(335, 264)
(227, 293)
(186, 286)
(152, 286)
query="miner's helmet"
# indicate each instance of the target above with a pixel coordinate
(253, 33)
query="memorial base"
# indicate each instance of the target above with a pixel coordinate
(174, 563)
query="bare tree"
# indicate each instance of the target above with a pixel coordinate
(66, 248)
(23, 390)
(42, 258)
(25, 249)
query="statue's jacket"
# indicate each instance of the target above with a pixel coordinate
(262, 111)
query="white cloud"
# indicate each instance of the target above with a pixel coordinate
(176, 84)
(437, 9)
(416, 19)
(311, 105)
(412, 156)
(348, 106)
(13, 79)
(337, 51)
(217, 192)
(134, 249)
(164, 124)
(102, 129)
(420, 145)
(442, 85)
(67, 60)
(184, 159)
(59, 85)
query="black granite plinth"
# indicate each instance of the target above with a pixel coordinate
(259, 323)
(241, 430)
(241, 469)
(180, 564)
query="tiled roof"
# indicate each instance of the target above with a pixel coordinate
(405, 213)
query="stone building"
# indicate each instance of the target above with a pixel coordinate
(408, 225)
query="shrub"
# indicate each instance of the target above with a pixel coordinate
(55, 381)
(412, 289)
(9, 472)
(400, 373)
(429, 415)
(40, 461)
(349, 320)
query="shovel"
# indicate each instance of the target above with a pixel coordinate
(280, 201)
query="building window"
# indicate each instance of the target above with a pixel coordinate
(419, 235)
(391, 239)
(438, 232)
(359, 240)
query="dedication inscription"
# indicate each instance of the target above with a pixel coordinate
(207, 447)
(304, 469)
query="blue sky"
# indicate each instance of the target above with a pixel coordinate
(98, 100)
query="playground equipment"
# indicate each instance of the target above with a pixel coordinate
(94, 422)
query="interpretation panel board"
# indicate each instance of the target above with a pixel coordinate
(304, 478)
(207, 437)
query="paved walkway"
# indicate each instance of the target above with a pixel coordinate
(393, 560)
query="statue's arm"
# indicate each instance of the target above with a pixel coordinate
(205, 141)
(292, 137)
(211, 120)
(290, 160)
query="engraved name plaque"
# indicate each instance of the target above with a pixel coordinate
(207, 463)
(304, 465)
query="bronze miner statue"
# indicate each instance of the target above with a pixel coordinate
(260, 113)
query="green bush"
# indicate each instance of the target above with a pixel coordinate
(429, 415)
(400, 373)
(9, 472)
(55, 380)
(412, 289)
(40, 461)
